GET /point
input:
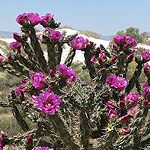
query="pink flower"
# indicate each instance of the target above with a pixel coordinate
(42, 148)
(2, 58)
(146, 92)
(125, 131)
(119, 40)
(147, 68)
(28, 18)
(132, 111)
(67, 73)
(15, 46)
(45, 19)
(145, 55)
(132, 98)
(22, 19)
(79, 43)
(125, 42)
(47, 102)
(116, 82)
(21, 89)
(39, 80)
(55, 35)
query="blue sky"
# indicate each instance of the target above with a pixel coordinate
(101, 16)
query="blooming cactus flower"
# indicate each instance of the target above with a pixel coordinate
(15, 46)
(47, 18)
(79, 43)
(55, 35)
(116, 82)
(28, 18)
(132, 98)
(145, 55)
(39, 80)
(47, 102)
(67, 73)
(125, 42)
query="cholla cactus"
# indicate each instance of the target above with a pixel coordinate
(63, 107)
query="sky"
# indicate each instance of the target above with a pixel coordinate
(105, 17)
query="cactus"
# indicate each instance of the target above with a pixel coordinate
(66, 109)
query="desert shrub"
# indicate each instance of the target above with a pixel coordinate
(54, 101)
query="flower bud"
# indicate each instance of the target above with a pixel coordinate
(29, 140)
(52, 73)
(16, 36)
(113, 58)
(147, 68)
(124, 131)
(124, 118)
(130, 58)
(122, 105)
(145, 102)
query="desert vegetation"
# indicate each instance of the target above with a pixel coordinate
(100, 104)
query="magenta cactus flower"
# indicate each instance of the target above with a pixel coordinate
(22, 19)
(47, 18)
(147, 68)
(15, 46)
(145, 55)
(119, 40)
(116, 82)
(55, 35)
(146, 91)
(67, 73)
(79, 43)
(125, 42)
(132, 98)
(47, 102)
(39, 80)
(21, 89)
(28, 18)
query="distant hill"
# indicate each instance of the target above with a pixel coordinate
(6, 34)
